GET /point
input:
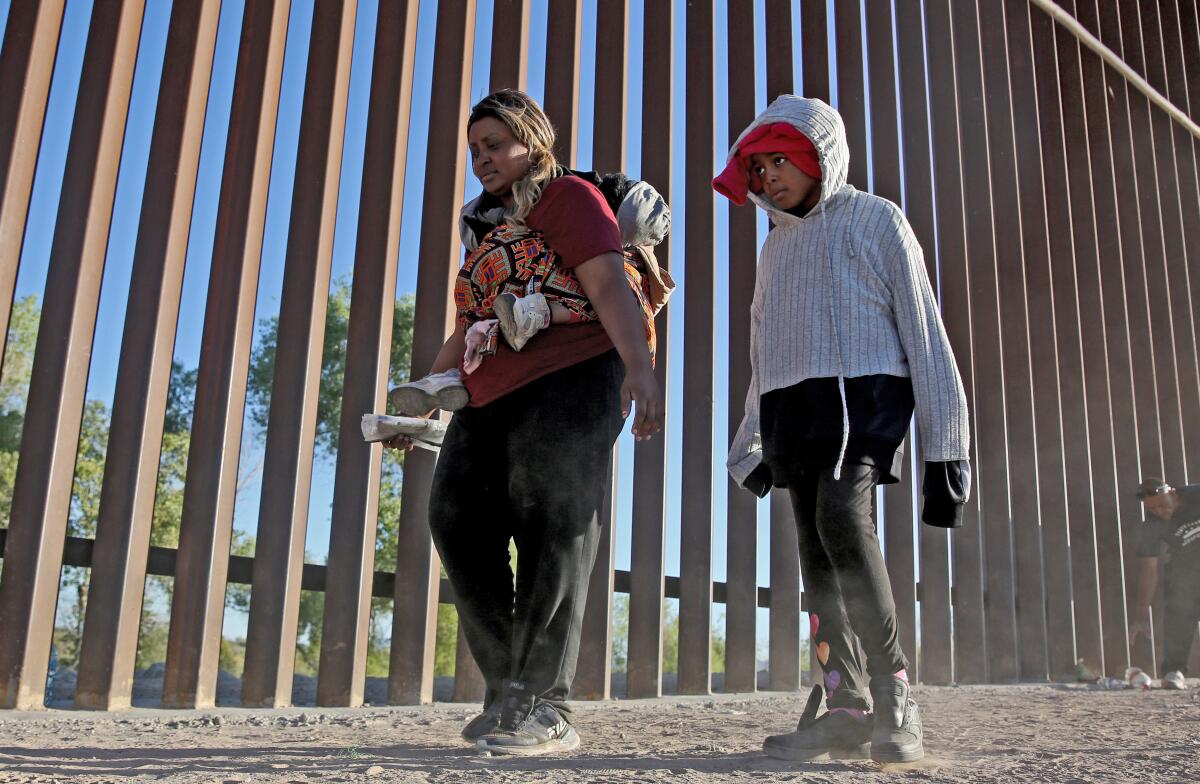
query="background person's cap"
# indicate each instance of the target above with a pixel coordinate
(1152, 485)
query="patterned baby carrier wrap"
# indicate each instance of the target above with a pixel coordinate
(510, 259)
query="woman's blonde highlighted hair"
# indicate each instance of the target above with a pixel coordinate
(531, 127)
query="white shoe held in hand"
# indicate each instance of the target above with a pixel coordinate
(437, 390)
(425, 433)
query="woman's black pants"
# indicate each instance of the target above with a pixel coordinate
(850, 604)
(530, 467)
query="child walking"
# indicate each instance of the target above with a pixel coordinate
(846, 341)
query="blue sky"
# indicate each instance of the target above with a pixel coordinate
(110, 321)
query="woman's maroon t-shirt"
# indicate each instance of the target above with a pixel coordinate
(577, 224)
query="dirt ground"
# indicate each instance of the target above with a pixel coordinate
(1011, 734)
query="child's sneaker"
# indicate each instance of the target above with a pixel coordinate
(1174, 680)
(834, 735)
(521, 317)
(438, 390)
(897, 736)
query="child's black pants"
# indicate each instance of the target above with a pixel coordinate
(531, 467)
(845, 581)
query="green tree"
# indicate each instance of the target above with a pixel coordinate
(237, 595)
(620, 625)
(333, 364)
(8, 476)
(670, 637)
(85, 498)
(329, 402)
(671, 642)
(17, 367)
(168, 498)
(718, 646)
(168, 511)
(84, 512)
(308, 632)
(232, 657)
(670, 628)
(168, 503)
(446, 646)
(14, 390)
(181, 398)
(152, 633)
(89, 470)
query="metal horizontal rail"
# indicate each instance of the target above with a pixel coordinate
(161, 561)
(1135, 79)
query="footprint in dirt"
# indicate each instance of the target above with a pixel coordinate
(928, 762)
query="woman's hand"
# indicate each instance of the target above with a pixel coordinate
(448, 357)
(641, 388)
(399, 442)
(603, 281)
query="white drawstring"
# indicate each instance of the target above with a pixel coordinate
(837, 342)
(837, 469)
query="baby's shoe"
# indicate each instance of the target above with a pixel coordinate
(521, 317)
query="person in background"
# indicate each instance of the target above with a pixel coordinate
(1171, 533)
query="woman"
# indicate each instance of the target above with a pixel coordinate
(527, 459)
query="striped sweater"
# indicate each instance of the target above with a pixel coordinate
(843, 292)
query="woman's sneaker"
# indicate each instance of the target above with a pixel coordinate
(897, 736)
(437, 390)
(1174, 680)
(529, 727)
(521, 317)
(482, 724)
(833, 735)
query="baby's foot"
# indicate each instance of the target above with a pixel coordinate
(521, 317)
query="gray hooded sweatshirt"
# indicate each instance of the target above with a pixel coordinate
(843, 292)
